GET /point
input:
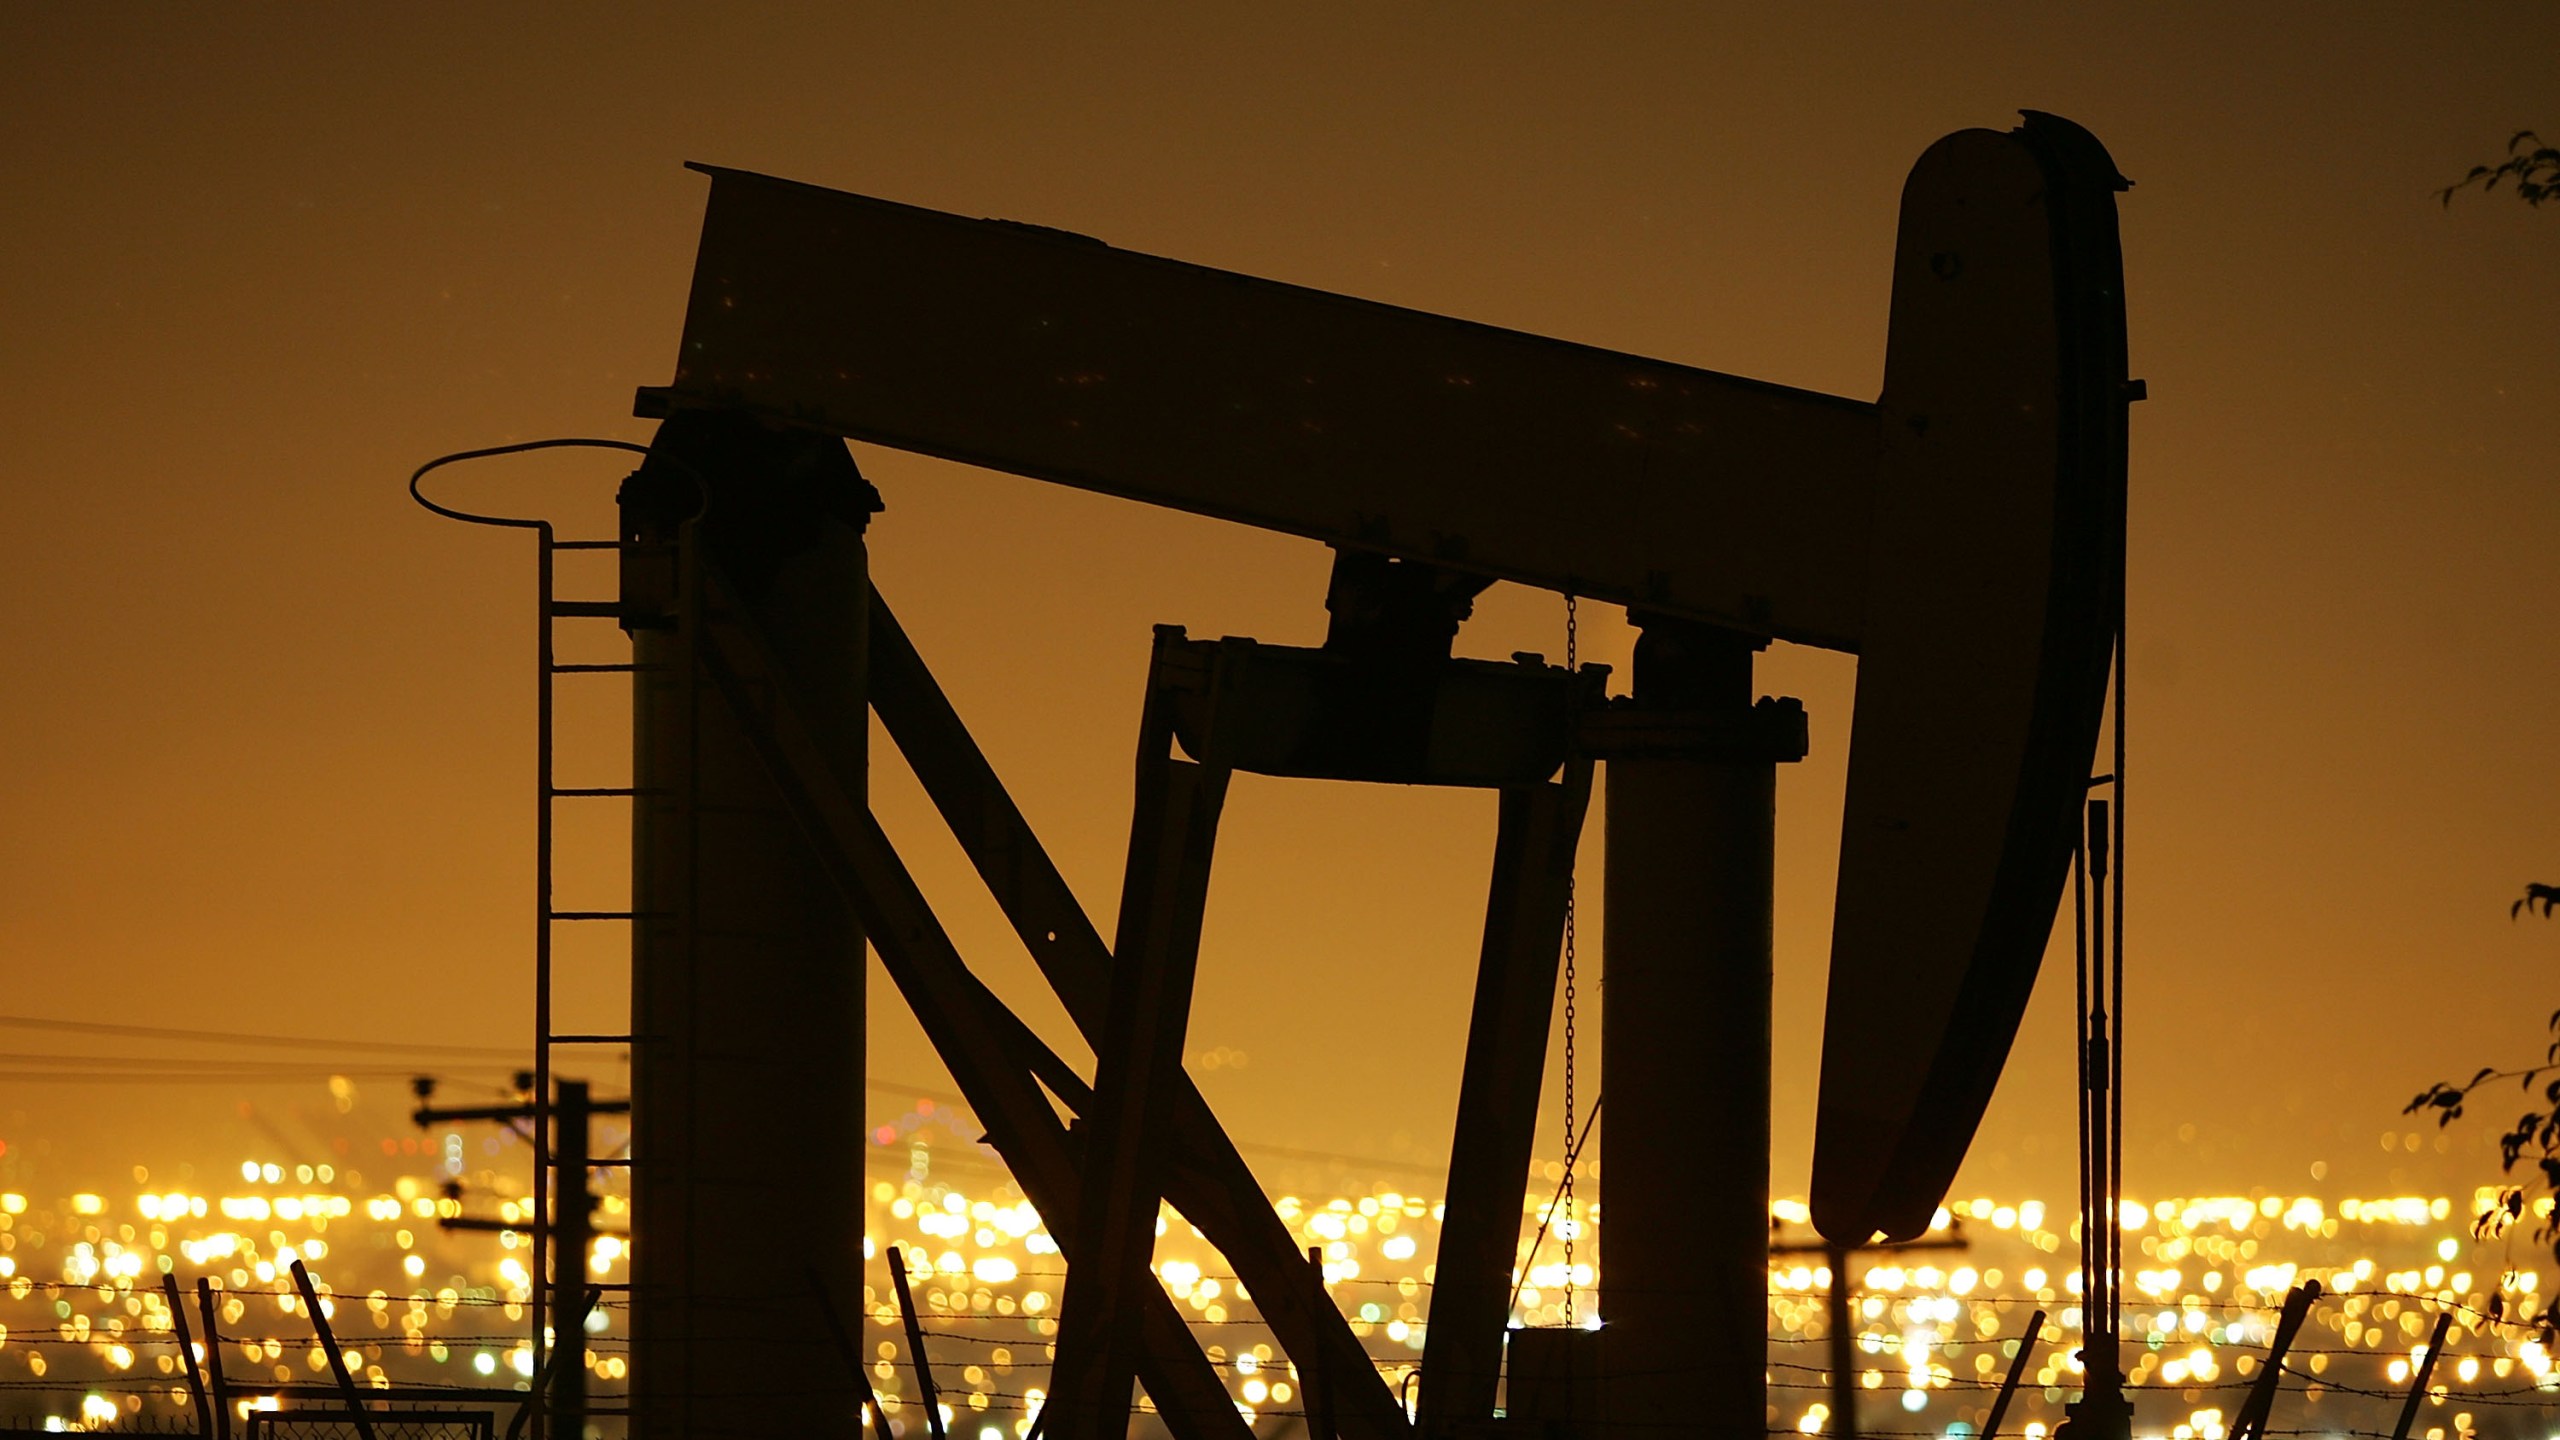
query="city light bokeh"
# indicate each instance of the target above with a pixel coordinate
(440, 1316)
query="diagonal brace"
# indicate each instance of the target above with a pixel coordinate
(1210, 1183)
(1163, 897)
(978, 1040)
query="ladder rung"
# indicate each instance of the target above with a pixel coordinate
(586, 544)
(588, 1039)
(623, 669)
(609, 1162)
(574, 792)
(609, 915)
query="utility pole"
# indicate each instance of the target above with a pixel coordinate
(1842, 1301)
(572, 1230)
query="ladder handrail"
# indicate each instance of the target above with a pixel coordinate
(547, 667)
(513, 522)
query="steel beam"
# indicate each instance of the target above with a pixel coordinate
(1498, 1099)
(1684, 1058)
(1056, 356)
(747, 992)
(981, 1044)
(1163, 896)
(1211, 1185)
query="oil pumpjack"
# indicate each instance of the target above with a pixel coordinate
(1962, 535)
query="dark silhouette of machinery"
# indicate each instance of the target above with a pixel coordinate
(1962, 535)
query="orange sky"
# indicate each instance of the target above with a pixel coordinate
(265, 752)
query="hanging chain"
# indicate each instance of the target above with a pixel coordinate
(1572, 627)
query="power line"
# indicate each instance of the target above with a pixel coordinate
(232, 1037)
(212, 1065)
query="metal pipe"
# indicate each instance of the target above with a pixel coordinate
(546, 574)
(2098, 1323)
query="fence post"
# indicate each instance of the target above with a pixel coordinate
(2426, 1369)
(1315, 1385)
(915, 1343)
(2017, 1368)
(862, 1392)
(187, 1352)
(2252, 1423)
(329, 1344)
(213, 1360)
(540, 1394)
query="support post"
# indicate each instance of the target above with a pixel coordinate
(2426, 1372)
(1163, 895)
(187, 1353)
(863, 1395)
(573, 1233)
(991, 1054)
(1840, 1306)
(549, 1374)
(1210, 1184)
(1496, 1133)
(2252, 1423)
(1685, 1049)
(213, 1359)
(2017, 1372)
(1841, 1302)
(329, 1347)
(925, 1393)
(1316, 1381)
(747, 964)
